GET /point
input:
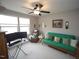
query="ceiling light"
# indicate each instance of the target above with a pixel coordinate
(36, 12)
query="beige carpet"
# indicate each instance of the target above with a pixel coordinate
(38, 51)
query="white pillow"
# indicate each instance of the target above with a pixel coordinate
(73, 43)
(57, 39)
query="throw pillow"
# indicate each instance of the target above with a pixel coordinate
(73, 43)
(66, 41)
(57, 39)
(51, 37)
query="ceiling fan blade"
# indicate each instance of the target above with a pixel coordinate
(30, 12)
(36, 6)
(27, 8)
(45, 11)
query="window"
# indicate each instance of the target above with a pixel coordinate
(8, 23)
(12, 24)
(24, 24)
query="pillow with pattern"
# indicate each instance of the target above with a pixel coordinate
(66, 41)
(57, 39)
(51, 37)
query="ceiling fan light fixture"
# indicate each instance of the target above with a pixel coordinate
(36, 12)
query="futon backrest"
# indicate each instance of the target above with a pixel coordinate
(66, 36)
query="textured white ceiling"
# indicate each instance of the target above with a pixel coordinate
(53, 6)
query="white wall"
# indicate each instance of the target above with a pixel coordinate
(71, 16)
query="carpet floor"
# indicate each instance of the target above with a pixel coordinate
(37, 51)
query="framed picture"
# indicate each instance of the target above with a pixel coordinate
(58, 23)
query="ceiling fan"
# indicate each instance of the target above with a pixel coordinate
(37, 9)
